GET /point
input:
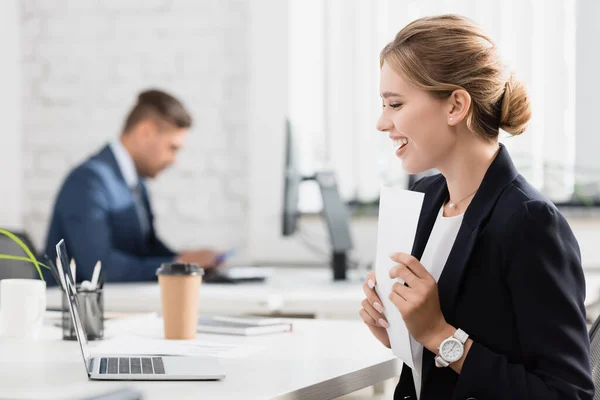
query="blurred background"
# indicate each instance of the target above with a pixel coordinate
(71, 70)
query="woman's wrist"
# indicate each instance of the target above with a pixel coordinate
(433, 341)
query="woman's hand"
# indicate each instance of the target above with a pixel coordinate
(372, 311)
(419, 302)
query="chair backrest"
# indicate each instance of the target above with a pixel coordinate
(595, 356)
(12, 268)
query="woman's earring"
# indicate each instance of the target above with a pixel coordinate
(450, 118)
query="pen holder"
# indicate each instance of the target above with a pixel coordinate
(91, 311)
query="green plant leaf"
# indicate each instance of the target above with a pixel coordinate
(19, 258)
(34, 260)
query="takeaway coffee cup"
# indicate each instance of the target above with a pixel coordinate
(179, 291)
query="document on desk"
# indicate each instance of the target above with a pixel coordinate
(399, 212)
(137, 345)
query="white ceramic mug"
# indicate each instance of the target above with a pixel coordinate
(22, 307)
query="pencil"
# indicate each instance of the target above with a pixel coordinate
(73, 268)
(53, 270)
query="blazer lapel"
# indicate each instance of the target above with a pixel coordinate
(449, 283)
(498, 176)
(433, 200)
(107, 155)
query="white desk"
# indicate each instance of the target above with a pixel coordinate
(319, 360)
(290, 291)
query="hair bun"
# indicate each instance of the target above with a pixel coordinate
(516, 108)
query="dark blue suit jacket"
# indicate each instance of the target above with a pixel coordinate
(95, 213)
(514, 282)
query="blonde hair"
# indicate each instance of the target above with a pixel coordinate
(448, 52)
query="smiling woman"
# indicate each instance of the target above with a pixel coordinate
(494, 277)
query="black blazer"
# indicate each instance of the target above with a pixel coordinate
(513, 281)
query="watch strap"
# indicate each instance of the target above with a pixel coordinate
(461, 335)
(440, 362)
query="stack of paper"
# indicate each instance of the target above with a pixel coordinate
(245, 326)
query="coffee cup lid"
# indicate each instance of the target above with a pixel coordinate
(179, 269)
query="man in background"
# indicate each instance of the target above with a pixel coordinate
(103, 210)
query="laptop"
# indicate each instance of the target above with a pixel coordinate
(133, 367)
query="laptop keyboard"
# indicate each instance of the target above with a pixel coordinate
(132, 365)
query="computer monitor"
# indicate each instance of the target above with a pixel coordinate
(335, 210)
(337, 217)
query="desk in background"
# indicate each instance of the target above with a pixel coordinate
(307, 292)
(319, 360)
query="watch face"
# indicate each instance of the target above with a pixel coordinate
(451, 350)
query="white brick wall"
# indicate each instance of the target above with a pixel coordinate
(11, 162)
(83, 63)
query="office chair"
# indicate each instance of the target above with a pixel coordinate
(16, 269)
(595, 355)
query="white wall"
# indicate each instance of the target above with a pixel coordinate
(11, 169)
(269, 106)
(84, 62)
(268, 99)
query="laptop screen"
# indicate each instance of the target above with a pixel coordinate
(61, 251)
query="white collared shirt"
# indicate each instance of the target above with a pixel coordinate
(125, 163)
(434, 258)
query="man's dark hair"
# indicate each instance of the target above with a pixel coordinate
(158, 105)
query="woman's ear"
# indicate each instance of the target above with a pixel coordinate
(460, 104)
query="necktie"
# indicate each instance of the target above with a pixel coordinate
(140, 207)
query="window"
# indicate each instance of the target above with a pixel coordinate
(334, 88)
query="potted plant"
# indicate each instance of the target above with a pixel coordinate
(22, 301)
(30, 256)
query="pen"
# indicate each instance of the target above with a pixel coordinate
(96, 275)
(223, 256)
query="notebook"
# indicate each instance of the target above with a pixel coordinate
(244, 326)
(250, 320)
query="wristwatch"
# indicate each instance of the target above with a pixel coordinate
(451, 349)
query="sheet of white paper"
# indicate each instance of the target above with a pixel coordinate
(126, 345)
(399, 211)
